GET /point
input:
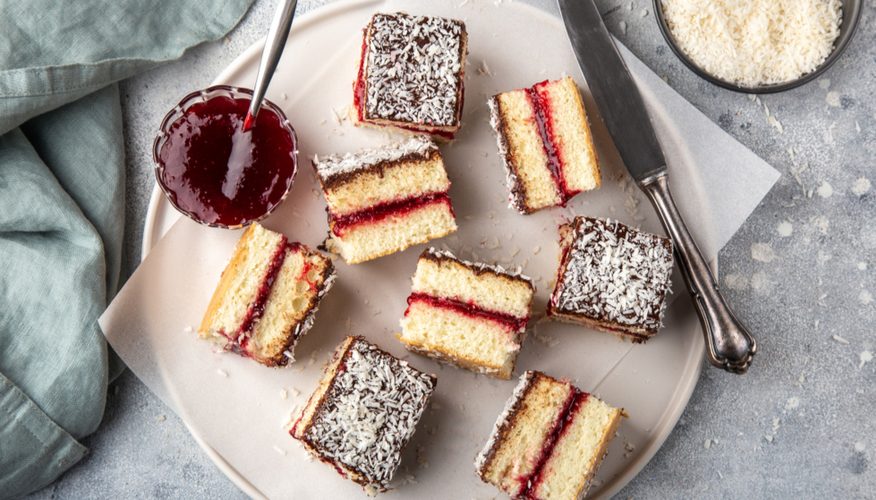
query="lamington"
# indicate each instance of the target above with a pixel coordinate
(612, 278)
(381, 201)
(411, 74)
(549, 440)
(470, 314)
(363, 413)
(545, 143)
(267, 297)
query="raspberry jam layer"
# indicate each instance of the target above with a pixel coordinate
(529, 484)
(359, 86)
(468, 309)
(216, 172)
(376, 213)
(257, 307)
(544, 120)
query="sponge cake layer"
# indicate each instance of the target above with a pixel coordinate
(302, 280)
(267, 297)
(240, 282)
(383, 200)
(549, 440)
(531, 181)
(485, 287)
(471, 314)
(545, 143)
(465, 339)
(512, 454)
(393, 233)
(571, 135)
(387, 182)
(575, 457)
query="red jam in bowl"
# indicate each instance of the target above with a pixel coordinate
(213, 171)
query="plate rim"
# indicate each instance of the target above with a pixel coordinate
(683, 390)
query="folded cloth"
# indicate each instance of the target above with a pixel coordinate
(62, 207)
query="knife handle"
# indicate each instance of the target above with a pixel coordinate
(730, 345)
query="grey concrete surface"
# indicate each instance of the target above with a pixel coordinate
(799, 273)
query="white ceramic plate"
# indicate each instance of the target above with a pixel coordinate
(313, 85)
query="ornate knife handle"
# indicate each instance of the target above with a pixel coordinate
(731, 347)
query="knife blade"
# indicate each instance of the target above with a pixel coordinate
(730, 345)
(617, 97)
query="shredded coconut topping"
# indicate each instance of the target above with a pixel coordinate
(755, 42)
(413, 69)
(496, 268)
(615, 273)
(334, 165)
(370, 412)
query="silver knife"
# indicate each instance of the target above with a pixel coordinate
(730, 345)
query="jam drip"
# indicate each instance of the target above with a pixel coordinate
(529, 484)
(469, 309)
(544, 122)
(380, 211)
(257, 308)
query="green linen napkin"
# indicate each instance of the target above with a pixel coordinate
(62, 207)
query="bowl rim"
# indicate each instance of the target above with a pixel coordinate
(852, 23)
(203, 95)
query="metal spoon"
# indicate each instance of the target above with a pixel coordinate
(274, 44)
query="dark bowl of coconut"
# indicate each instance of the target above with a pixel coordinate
(758, 46)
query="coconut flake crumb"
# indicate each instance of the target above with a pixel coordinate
(840, 339)
(188, 329)
(861, 186)
(762, 252)
(825, 190)
(736, 281)
(222, 372)
(785, 229)
(865, 357)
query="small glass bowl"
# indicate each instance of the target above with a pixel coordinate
(204, 95)
(851, 14)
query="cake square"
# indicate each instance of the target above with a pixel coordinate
(470, 314)
(545, 143)
(267, 297)
(549, 440)
(411, 74)
(612, 278)
(381, 201)
(364, 412)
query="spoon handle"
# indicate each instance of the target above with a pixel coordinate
(274, 44)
